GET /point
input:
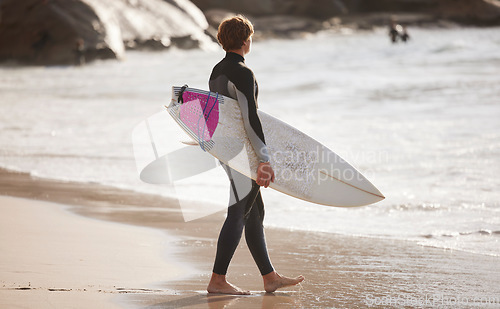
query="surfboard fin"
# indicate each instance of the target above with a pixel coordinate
(190, 143)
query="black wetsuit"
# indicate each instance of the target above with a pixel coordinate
(232, 78)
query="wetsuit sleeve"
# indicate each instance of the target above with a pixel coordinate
(245, 93)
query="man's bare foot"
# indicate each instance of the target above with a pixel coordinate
(274, 281)
(219, 285)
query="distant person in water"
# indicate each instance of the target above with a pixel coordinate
(393, 32)
(398, 32)
(231, 77)
(404, 34)
(79, 52)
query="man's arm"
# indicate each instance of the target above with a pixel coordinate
(245, 93)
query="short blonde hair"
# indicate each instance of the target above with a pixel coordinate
(233, 32)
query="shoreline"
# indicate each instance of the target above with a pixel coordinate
(341, 271)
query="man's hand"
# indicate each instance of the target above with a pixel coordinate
(265, 174)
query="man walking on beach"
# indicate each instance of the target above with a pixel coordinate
(231, 77)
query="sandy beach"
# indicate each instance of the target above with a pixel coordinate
(419, 120)
(63, 260)
(140, 254)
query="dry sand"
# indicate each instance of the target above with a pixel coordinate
(55, 259)
(340, 271)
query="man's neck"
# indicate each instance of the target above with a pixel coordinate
(238, 51)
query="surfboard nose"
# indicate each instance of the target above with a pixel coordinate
(378, 193)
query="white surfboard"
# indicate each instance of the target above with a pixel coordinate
(304, 168)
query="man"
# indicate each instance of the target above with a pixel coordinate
(232, 78)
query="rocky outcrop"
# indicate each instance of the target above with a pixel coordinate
(73, 31)
(157, 24)
(259, 8)
(481, 12)
(391, 6)
(282, 26)
(50, 32)
(475, 12)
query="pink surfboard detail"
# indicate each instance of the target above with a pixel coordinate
(200, 114)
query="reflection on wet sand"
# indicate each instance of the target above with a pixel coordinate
(216, 301)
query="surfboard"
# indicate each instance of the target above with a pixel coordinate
(304, 168)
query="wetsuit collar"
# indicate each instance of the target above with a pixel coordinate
(235, 56)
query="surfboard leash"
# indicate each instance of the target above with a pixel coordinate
(180, 99)
(209, 112)
(205, 120)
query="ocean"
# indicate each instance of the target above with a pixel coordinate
(420, 120)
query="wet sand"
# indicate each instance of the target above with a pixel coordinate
(341, 271)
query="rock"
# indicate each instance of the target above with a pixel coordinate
(151, 24)
(282, 26)
(388, 6)
(259, 8)
(476, 12)
(254, 7)
(192, 12)
(216, 16)
(74, 31)
(319, 9)
(51, 32)
(480, 12)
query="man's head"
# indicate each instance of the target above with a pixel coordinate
(234, 32)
